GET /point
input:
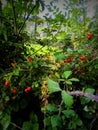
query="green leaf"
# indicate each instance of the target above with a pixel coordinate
(16, 72)
(68, 99)
(69, 113)
(79, 122)
(85, 100)
(68, 82)
(5, 121)
(61, 35)
(53, 86)
(66, 74)
(59, 56)
(90, 90)
(51, 108)
(74, 79)
(33, 118)
(55, 120)
(5, 36)
(27, 125)
(42, 5)
(47, 121)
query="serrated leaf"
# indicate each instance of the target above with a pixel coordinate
(5, 121)
(68, 82)
(53, 86)
(55, 120)
(90, 90)
(69, 113)
(74, 79)
(47, 121)
(66, 74)
(68, 99)
(51, 108)
(85, 100)
(27, 125)
(60, 56)
(79, 122)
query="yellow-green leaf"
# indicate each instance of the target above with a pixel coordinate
(53, 86)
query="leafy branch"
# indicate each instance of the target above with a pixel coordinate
(26, 19)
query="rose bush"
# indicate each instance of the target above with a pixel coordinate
(47, 82)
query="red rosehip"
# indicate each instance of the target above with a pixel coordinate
(45, 102)
(13, 64)
(82, 58)
(7, 83)
(14, 90)
(28, 89)
(68, 60)
(89, 35)
(50, 75)
(30, 59)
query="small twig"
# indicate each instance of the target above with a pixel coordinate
(38, 50)
(91, 125)
(16, 125)
(60, 108)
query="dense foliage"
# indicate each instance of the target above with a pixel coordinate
(48, 79)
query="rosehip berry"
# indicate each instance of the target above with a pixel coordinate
(68, 60)
(28, 89)
(14, 90)
(89, 35)
(7, 83)
(45, 102)
(13, 64)
(82, 58)
(30, 59)
(50, 75)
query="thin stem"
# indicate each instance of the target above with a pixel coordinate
(60, 108)
(26, 19)
(0, 13)
(16, 125)
(14, 17)
(92, 123)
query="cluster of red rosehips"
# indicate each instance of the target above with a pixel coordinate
(14, 90)
(69, 59)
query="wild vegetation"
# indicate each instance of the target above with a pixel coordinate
(48, 78)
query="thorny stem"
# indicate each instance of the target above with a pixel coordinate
(88, 95)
